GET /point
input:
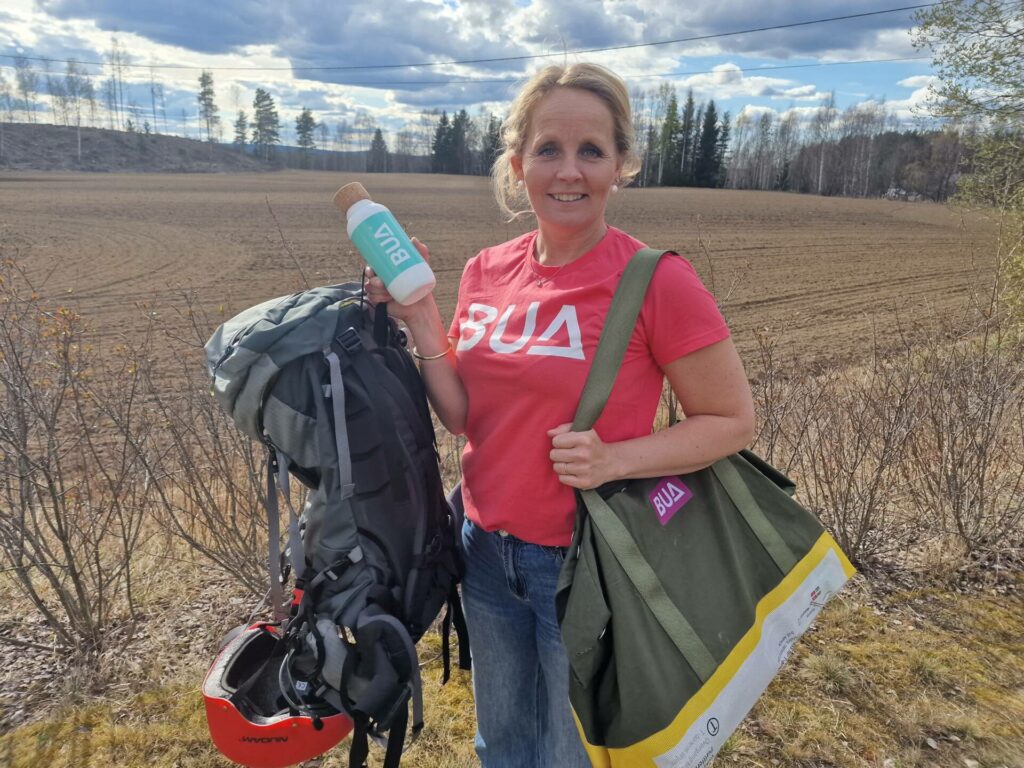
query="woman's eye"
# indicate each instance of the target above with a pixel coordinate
(591, 151)
(546, 151)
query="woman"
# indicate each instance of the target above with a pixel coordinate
(509, 372)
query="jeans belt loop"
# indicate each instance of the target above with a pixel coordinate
(503, 533)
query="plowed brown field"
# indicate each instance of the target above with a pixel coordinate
(830, 273)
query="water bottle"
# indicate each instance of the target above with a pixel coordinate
(384, 245)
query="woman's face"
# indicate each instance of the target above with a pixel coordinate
(569, 160)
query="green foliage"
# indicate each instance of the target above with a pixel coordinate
(266, 127)
(978, 48)
(978, 51)
(705, 166)
(491, 143)
(241, 130)
(450, 150)
(208, 104)
(440, 148)
(668, 153)
(996, 182)
(685, 140)
(305, 126)
(377, 162)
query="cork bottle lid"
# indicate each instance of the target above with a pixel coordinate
(349, 195)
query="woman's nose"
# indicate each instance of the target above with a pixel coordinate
(569, 170)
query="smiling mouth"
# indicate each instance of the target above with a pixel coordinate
(568, 198)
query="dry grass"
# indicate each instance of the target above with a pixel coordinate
(882, 677)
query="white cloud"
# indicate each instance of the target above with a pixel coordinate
(729, 81)
(917, 81)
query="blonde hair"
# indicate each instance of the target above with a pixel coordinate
(595, 79)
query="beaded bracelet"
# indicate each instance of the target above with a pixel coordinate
(438, 356)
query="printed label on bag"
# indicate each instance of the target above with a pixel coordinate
(668, 497)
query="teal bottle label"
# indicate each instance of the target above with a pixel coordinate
(385, 246)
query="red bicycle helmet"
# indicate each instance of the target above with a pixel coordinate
(257, 715)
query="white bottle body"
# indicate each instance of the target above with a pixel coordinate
(385, 246)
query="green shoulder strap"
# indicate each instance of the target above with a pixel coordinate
(618, 328)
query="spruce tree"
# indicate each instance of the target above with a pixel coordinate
(241, 130)
(441, 147)
(491, 143)
(685, 154)
(459, 152)
(668, 161)
(704, 171)
(721, 150)
(377, 162)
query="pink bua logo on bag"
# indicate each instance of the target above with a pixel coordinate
(668, 497)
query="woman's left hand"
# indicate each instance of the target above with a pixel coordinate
(580, 459)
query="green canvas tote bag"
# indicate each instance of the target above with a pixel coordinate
(681, 596)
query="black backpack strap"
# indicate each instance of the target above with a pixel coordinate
(381, 331)
(359, 749)
(396, 738)
(453, 615)
(356, 355)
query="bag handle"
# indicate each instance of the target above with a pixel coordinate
(618, 328)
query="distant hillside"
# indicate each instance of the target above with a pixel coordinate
(31, 146)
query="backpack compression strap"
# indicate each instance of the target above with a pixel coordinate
(277, 465)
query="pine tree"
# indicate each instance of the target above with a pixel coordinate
(266, 128)
(207, 104)
(241, 130)
(305, 127)
(377, 162)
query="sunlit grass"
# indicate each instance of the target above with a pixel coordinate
(878, 679)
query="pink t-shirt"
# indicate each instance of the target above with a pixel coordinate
(524, 351)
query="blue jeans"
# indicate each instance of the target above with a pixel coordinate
(520, 668)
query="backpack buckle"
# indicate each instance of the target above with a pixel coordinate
(350, 340)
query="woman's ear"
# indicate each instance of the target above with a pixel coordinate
(516, 161)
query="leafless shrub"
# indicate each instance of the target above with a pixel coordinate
(856, 431)
(782, 401)
(208, 478)
(965, 462)
(72, 499)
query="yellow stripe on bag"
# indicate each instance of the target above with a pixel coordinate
(660, 744)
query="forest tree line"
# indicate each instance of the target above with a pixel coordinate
(863, 151)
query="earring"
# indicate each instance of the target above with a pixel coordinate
(519, 183)
(615, 188)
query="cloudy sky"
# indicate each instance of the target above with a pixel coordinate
(392, 59)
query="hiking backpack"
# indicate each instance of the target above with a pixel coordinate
(326, 383)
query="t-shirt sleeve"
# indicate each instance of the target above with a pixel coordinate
(679, 314)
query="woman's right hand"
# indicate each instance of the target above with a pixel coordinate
(377, 292)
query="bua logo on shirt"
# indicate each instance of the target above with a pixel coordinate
(563, 330)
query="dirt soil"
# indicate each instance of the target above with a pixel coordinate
(830, 276)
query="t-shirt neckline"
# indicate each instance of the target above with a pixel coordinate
(547, 272)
